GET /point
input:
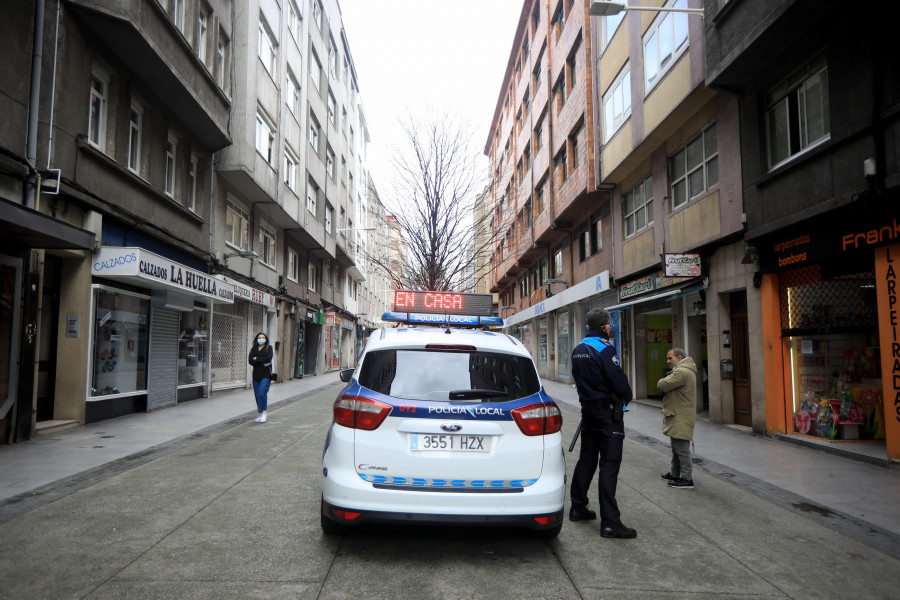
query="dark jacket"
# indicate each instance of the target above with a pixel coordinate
(259, 357)
(598, 375)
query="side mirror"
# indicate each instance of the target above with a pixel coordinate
(347, 375)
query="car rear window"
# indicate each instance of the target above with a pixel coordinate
(434, 374)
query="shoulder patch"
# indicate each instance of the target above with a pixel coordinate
(615, 359)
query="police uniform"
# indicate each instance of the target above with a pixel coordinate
(600, 380)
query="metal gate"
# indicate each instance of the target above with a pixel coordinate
(230, 345)
(162, 385)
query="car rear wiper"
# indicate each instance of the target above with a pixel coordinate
(476, 393)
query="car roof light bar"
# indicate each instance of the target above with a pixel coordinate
(430, 319)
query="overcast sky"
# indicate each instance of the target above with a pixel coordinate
(410, 54)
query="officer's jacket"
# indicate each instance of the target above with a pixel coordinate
(597, 374)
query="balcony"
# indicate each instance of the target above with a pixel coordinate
(140, 35)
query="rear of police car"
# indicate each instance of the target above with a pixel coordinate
(444, 426)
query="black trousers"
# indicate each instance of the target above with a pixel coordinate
(602, 438)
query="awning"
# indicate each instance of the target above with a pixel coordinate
(32, 229)
(141, 267)
(670, 295)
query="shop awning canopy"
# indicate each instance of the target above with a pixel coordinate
(669, 294)
(32, 229)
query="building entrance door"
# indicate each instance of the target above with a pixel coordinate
(740, 351)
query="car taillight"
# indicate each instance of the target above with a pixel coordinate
(538, 419)
(358, 412)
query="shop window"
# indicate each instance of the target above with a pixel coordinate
(193, 348)
(834, 355)
(121, 335)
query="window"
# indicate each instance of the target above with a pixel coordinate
(315, 70)
(610, 25)
(312, 277)
(329, 219)
(237, 226)
(121, 330)
(192, 184)
(343, 171)
(617, 104)
(526, 159)
(590, 240)
(557, 264)
(637, 207)
(317, 13)
(135, 120)
(179, 15)
(98, 109)
(528, 209)
(332, 60)
(536, 74)
(290, 169)
(695, 168)
(539, 199)
(559, 91)
(351, 139)
(558, 20)
(265, 138)
(292, 93)
(797, 112)
(584, 245)
(329, 162)
(331, 110)
(266, 47)
(267, 240)
(573, 145)
(293, 272)
(539, 134)
(596, 234)
(294, 21)
(312, 191)
(223, 57)
(314, 134)
(561, 166)
(202, 25)
(571, 66)
(663, 43)
(171, 150)
(526, 103)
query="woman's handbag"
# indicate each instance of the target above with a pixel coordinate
(274, 376)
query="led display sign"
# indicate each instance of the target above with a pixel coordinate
(443, 303)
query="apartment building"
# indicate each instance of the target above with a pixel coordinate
(111, 244)
(819, 88)
(549, 218)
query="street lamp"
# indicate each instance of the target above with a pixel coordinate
(608, 9)
(241, 253)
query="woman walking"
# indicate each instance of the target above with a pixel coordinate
(261, 356)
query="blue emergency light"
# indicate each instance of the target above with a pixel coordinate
(434, 319)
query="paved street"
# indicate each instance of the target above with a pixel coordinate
(234, 513)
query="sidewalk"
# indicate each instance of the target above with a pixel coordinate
(46, 459)
(849, 495)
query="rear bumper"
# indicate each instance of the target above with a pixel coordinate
(536, 522)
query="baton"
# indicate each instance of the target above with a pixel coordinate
(577, 433)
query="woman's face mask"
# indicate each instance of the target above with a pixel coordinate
(261, 341)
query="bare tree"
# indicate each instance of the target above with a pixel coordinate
(439, 180)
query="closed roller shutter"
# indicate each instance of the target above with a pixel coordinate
(163, 381)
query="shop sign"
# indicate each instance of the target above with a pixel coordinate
(681, 265)
(887, 282)
(649, 283)
(159, 272)
(320, 318)
(330, 319)
(250, 294)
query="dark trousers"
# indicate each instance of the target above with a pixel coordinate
(602, 438)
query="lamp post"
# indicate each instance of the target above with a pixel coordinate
(240, 253)
(608, 9)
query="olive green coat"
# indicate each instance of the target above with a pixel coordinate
(680, 400)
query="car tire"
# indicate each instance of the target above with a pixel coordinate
(330, 527)
(549, 534)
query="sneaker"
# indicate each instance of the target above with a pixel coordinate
(621, 532)
(262, 419)
(581, 513)
(682, 484)
(258, 419)
(668, 477)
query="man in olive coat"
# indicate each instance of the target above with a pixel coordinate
(679, 414)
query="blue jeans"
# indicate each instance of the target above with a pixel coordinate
(261, 391)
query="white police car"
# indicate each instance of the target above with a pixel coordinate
(443, 425)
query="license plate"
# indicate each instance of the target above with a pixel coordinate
(449, 443)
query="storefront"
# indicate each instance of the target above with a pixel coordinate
(551, 329)
(332, 341)
(149, 314)
(830, 306)
(233, 329)
(654, 313)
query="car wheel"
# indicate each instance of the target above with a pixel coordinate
(550, 533)
(330, 527)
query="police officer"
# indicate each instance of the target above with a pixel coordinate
(603, 391)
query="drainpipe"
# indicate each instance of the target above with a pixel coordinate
(34, 103)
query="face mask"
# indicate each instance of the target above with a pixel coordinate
(260, 341)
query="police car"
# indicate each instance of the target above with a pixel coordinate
(445, 424)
